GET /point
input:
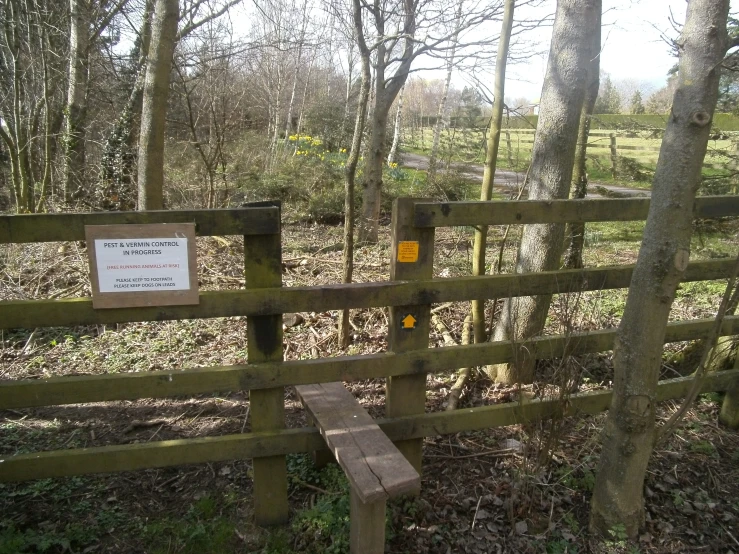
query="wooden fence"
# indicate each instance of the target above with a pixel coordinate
(411, 290)
(600, 140)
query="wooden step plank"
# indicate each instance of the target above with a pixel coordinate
(374, 466)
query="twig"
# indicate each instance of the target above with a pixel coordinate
(463, 374)
(501, 250)
(441, 308)
(289, 262)
(474, 517)
(29, 341)
(138, 424)
(444, 330)
(314, 344)
(730, 535)
(313, 487)
(246, 417)
(492, 453)
(155, 432)
(68, 291)
(708, 351)
(171, 480)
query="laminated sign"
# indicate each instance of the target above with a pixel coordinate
(142, 265)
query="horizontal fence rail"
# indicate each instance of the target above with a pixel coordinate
(456, 214)
(82, 461)
(30, 314)
(272, 376)
(161, 384)
(257, 220)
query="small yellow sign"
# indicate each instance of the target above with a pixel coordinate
(408, 251)
(408, 322)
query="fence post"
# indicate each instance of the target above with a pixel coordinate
(614, 156)
(263, 268)
(509, 149)
(412, 258)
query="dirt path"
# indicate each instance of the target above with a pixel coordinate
(512, 179)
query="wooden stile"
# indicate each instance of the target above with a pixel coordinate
(410, 293)
(375, 468)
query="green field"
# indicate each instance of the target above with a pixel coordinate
(637, 152)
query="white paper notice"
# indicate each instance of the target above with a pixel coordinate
(132, 265)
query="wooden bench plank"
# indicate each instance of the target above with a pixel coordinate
(374, 466)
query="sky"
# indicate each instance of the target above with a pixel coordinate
(631, 46)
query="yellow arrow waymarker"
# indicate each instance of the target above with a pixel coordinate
(408, 322)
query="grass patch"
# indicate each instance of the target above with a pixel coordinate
(203, 529)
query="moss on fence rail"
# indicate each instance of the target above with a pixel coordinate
(131, 457)
(64, 227)
(30, 314)
(160, 384)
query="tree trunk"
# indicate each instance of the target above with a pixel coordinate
(154, 108)
(348, 91)
(576, 231)
(629, 432)
(290, 105)
(76, 109)
(48, 133)
(118, 163)
(371, 197)
(491, 157)
(276, 120)
(392, 156)
(551, 173)
(441, 115)
(17, 138)
(386, 90)
(350, 173)
(301, 117)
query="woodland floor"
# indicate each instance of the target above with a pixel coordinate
(522, 488)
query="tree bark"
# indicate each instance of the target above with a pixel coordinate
(386, 89)
(629, 432)
(371, 197)
(350, 171)
(17, 120)
(442, 113)
(491, 157)
(118, 163)
(154, 108)
(76, 109)
(296, 74)
(48, 123)
(392, 156)
(550, 175)
(576, 231)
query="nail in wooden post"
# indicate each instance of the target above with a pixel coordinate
(412, 259)
(263, 268)
(367, 521)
